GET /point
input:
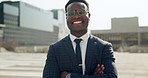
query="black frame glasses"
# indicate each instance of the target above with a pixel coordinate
(80, 12)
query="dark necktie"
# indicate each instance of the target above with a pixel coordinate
(78, 53)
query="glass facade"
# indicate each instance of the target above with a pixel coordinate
(25, 35)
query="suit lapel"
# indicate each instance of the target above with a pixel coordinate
(69, 47)
(90, 53)
(70, 51)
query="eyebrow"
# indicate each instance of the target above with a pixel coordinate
(83, 5)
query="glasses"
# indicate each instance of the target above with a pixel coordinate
(80, 12)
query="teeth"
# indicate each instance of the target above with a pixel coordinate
(77, 22)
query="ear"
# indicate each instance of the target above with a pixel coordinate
(89, 15)
(66, 17)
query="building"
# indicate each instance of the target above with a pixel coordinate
(63, 29)
(29, 25)
(1, 31)
(125, 33)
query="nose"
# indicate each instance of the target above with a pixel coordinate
(76, 16)
(76, 12)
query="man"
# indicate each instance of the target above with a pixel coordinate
(80, 54)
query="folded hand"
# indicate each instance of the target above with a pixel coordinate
(99, 69)
(63, 74)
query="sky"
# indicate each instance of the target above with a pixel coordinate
(102, 10)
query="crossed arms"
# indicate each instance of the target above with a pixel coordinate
(106, 70)
(99, 70)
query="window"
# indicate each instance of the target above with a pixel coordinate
(55, 14)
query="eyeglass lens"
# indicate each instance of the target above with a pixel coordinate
(76, 12)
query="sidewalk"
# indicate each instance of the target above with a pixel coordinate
(30, 65)
(21, 65)
(132, 65)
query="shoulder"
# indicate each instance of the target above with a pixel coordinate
(99, 40)
(61, 41)
(102, 44)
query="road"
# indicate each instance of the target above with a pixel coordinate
(30, 65)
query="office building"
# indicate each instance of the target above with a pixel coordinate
(1, 31)
(125, 32)
(29, 25)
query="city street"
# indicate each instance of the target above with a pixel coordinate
(30, 65)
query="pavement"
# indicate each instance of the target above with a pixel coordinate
(30, 65)
(21, 65)
(132, 65)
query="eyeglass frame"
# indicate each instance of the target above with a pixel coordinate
(75, 12)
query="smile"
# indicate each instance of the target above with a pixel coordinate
(77, 22)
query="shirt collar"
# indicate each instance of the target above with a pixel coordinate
(83, 37)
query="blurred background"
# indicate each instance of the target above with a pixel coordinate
(28, 27)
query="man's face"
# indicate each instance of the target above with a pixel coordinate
(77, 17)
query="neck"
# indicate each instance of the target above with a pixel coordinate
(78, 34)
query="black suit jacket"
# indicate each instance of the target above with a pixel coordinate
(61, 57)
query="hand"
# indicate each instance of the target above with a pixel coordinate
(99, 69)
(63, 74)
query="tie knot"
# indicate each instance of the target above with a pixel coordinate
(77, 41)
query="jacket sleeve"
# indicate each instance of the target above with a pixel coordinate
(51, 69)
(109, 63)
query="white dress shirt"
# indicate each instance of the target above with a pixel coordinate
(83, 45)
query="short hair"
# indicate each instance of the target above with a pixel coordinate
(71, 1)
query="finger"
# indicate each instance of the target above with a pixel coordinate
(99, 70)
(102, 69)
(96, 70)
(98, 66)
